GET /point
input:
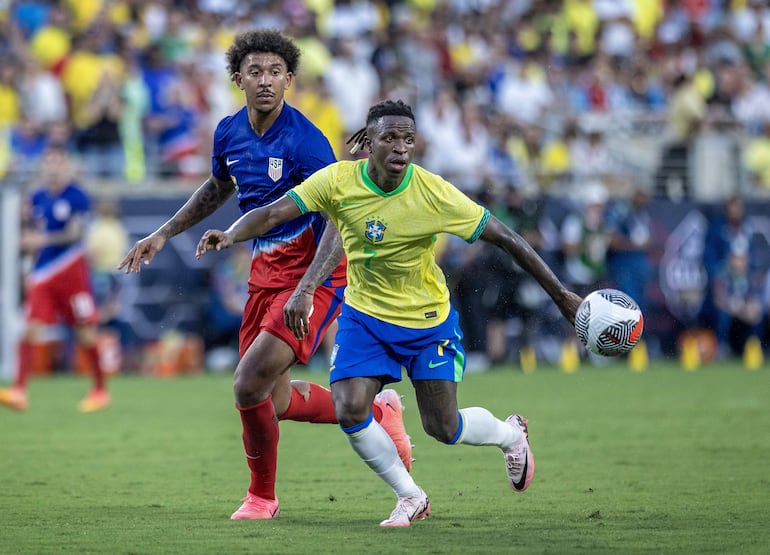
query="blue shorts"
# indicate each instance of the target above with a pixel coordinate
(366, 346)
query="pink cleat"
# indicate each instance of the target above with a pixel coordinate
(97, 399)
(392, 421)
(519, 462)
(409, 509)
(14, 398)
(256, 508)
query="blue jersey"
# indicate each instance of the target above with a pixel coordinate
(263, 168)
(54, 211)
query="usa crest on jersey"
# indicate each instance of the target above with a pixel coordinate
(275, 168)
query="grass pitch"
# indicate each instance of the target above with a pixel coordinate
(664, 461)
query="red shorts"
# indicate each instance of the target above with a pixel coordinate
(65, 295)
(264, 312)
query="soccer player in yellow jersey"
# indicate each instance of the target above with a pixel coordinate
(397, 314)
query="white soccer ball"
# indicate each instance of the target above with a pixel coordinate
(609, 322)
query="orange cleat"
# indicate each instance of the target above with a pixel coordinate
(256, 508)
(14, 398)
(97, 399)
(392, 421)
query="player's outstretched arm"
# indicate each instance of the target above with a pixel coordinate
(514, 244)
(202, 203)
(296, 311)
(252, 224)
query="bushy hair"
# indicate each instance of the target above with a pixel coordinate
(267, 41)
(381, 109)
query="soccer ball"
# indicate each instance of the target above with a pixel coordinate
(609, 322)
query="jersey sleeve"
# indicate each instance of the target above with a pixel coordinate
(314, 194)
(79, 201)
(315, 152)
(218, 165)
(461, 216)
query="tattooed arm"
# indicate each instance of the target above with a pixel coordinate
(296, 311)
(202, 203)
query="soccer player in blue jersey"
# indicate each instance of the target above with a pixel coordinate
(397, 312)
(297, 270)
(59, 286)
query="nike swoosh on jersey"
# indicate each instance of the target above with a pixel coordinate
(432, 364)
(231, 162)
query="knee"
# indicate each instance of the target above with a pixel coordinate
(443, 428)
(248, 388)
(350, 412)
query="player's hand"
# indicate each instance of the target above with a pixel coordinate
(297, 311)
(143, 250)
(569, 305)
(32, 241)
(213, 240)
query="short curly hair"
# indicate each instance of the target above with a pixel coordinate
(381, 109)
(269, 41)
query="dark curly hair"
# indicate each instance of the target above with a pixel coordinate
(381, 109)
(269, 41)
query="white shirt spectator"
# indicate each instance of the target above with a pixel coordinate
(353, 84)
(524, 94)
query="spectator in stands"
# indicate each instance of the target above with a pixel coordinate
(628, 222)
(584, 240)
(352, 81)
(105, 240)
(98, 140)
(686, 115)
(28, 142)
(756, 160)
(737, 297)
(728, 231)
(229, 293)
(41, 93)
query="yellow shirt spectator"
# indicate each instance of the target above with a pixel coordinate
(81, 77)
(756, 159)
(647, 15)
(583, 20)
(10, 105)
(50, 45)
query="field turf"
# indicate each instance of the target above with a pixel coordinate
(664, 461)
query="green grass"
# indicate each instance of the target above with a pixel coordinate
(663, 461)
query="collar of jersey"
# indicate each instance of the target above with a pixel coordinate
(375, 188)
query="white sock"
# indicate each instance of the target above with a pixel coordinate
(377, 450)
(481, 427)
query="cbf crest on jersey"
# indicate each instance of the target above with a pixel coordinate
(275, 168)
(375, 230)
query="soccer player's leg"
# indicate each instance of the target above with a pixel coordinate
(388, 411)
(304, 401)
(77, 307)
(263, 363)
(358, 369)
(310, 402)
(436, 372)
(372, 444)
(40, 310)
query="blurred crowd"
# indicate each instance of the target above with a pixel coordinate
(516, 100)
(509, 93)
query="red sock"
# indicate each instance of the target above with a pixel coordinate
(318, 408)
(92, 354)
(25, 363)
(260, 441)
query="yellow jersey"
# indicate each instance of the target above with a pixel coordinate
(389, 237)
